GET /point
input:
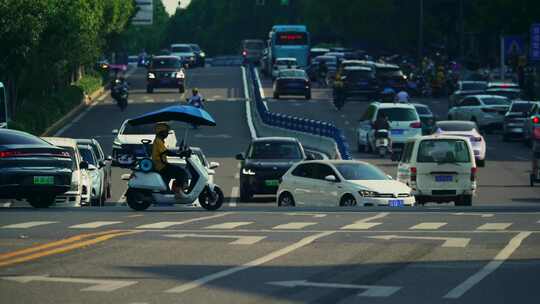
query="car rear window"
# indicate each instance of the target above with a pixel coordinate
(496, 101)
(165, 63)
(521, 107)
(399, 114)
(274, 150)
(181, 49)
(138, 130)
(456, 127)
(20, 138)
(296, 73)
(360, 172)
(443, 151)
(423, 110)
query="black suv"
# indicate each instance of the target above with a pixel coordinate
(165, 72)
(358, 81)
(265, 162)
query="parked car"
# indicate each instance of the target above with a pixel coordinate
(404, 122)
(439, 168)
(79, 192)
(292, 82)
(252, 49)
(466, 88)
(104, 165)
(515, 119)
(265, 162)
(127, 146)
(487, 111)
(200, 55)
(283, 64)
(33, 169)
(466, 129)
(185, 52)
(426, 118)
(97, 187)
(165, 72)
(341, 183)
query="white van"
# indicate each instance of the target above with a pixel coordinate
(439, 168)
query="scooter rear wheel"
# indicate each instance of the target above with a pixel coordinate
(136, 200)
(206, 201)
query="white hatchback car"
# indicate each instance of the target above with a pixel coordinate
(466, 129)
(341, 183)
(439, 168)
(283, 64)
(487, 111)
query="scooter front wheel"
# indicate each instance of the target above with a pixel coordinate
(136, 200)
(211, 203)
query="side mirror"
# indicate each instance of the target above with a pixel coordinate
(115, 132)
(84, 165)
(240, 156)
(214, 165)
(330, 178)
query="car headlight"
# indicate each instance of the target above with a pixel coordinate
(180, 75)
(202, 54)
(367, 193)
(248, 171)
(151, 75)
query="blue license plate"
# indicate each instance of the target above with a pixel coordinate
(165, 81)
(397, 132)
(443, 178)
(395, 203)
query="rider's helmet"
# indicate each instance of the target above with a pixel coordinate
(195, 91)
(162, 127)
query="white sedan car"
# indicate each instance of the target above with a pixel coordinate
(341, 183)
(469, 130)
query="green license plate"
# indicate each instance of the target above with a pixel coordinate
(43, 180)
(271, 182)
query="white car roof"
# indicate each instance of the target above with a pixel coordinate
(388, 105)
(440, 136)
(61, 141)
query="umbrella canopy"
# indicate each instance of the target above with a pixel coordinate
(186, 114)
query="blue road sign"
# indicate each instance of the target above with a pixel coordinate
(514, 46)
(535, 42)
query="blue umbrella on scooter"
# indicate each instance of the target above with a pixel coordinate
(188, 114)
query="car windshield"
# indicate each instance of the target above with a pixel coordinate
(473, 86)
(389, 73)
(456, 127)
(181, 49)
(521, 107)
(292, 73)
(166, 63)
(490, 101)
(360, 172)
(138, 130)
(87, 155)
(422, 110)
(399, 114)
(443, 151)
(274, 150)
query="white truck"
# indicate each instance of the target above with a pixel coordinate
(3, 107)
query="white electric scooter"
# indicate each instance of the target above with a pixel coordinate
(147, 187)
(382, 142)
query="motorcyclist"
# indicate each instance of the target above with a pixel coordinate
(159, 158)
(382, 123)
(402, 97)
(323, 71)
(196, 99)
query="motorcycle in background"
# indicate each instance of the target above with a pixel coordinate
(120, 93)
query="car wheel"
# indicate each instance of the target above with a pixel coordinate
(245, 196)
(44, 201)
(481, 162)
(347, 201)
(286, 200)
(464, 200)
(149, 90)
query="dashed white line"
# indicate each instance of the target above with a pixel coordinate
(360, 226)
(428, 226)
(95, 224)
(228, 225)
(494, 226)
(28, 225)
(295, 225)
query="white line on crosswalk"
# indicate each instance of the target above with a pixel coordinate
(28, 225)
(161, 225)
(494, 226)
(428, 226)
(294, 225)
(360, 226)
(229, 225)
(234, 196)
(96, 224)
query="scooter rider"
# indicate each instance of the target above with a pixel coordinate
(382, 123)
(159, 157)
(402, 97)
(196, 99)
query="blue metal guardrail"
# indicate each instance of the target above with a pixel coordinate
(300, 124)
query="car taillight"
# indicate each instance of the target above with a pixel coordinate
(416, 125)
(536, 120)
(489, 110)
(5, 154)
(473, 174)
(15, 153)
(413, 174)
(244, 53)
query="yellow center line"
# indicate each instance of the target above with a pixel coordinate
(103, 237)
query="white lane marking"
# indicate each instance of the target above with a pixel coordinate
(229, 225)
(428, 226)
(295, 225)
(249, 120)
(27, 225)
(317, 215)
(102, 97)
(259, 261)
(239, 165)
(475, 214)
(95, 224)
(237, 176)
(448, 241)
(494, 226)
(499, 259)
(7, 205)
(375, 217)
(370, 290)
(360, 226)
(98, 284)
(169, 224)
(234, 196)
(239, 239)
